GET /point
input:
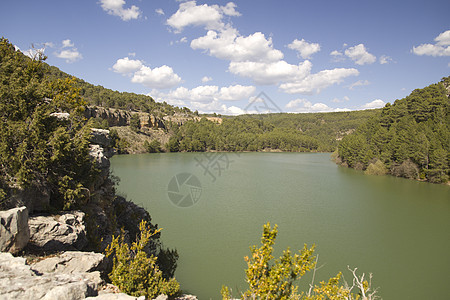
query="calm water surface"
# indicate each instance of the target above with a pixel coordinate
(396, 229)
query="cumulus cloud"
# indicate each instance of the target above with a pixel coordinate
(315, 83)
(358, 83)
(360, 55)
(229, 45)
(304, 49)
(207, 98)
(69, 52)
(384, 59)
(208, 16)
(208, 93)
(126, 65)
(206, 79)
(440, 48)
(378, 103)
(67, 43)
(116, 8)
(161, 77)
(305, 106)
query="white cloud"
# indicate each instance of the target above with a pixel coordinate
(314, 83)
(304, 49)
(271, 73)
(360, 55)
(378, 103)
(229, 45)
(440, 48)
(305, 106)
(384, 59)
(236, 92)
(208, 16)
(67, 43)
(160, 11)
(71, 54)
(126, 65)
(206, 79)
(358, 83)
(209, 93)
(160, 78)
(116, 8)
(337, 100)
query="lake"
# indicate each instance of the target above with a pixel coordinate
(212, 207)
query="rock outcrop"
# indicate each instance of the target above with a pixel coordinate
(118, 117)
(14, 231)
(58, 232)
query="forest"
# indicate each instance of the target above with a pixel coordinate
(410, 138)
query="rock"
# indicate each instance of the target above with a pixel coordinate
(61, 116)
(162, 297)
(14, 231)
(100, 156)
(58, 233)
(18, 281)
(186, 297)
(71, 262)
(100, 137)
(112, 296)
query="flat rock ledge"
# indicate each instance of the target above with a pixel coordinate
(71, 275)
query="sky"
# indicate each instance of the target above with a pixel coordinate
(229, 57)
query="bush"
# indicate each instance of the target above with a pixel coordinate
(376, 168)
(407, 169)
(134, 272)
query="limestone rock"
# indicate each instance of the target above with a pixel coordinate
(100, 156)
(18, 281)
(58, 233)
(100, 137)
(71, 262)
(14, 231)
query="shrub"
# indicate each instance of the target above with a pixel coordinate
(134, 272)
(376, 168)
(407, 169)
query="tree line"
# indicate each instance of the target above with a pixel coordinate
(410, 138)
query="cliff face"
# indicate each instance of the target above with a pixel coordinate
(118, 117)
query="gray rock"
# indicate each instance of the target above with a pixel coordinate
(162, 297)
(186, 297)
(71, 262)
(100, 156)
(100, 137)
(14, 231)
(61, 116)
(18, 281)
(58, 233)
(114, 296)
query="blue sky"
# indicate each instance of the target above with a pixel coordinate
(217, 56)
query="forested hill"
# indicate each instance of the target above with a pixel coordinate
(97, 95)
(410, 138)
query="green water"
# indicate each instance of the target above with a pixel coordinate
(395, 228)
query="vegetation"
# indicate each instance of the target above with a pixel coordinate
(134, 272)
(285, 132)
(275, 280)
(410, 138)
(37, 149)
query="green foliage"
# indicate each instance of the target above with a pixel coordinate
(410, 137)
(135, 123)
(36, 148)
(134, 272)
(153, 147)
(173, 145)
(376, 168)
(275, 280)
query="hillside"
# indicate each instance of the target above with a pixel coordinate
(410, 138)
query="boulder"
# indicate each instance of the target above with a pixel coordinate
(19, 281)
(100, 137)
(14, 231)
(71, 262)
(100, 156)
(58, 232)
